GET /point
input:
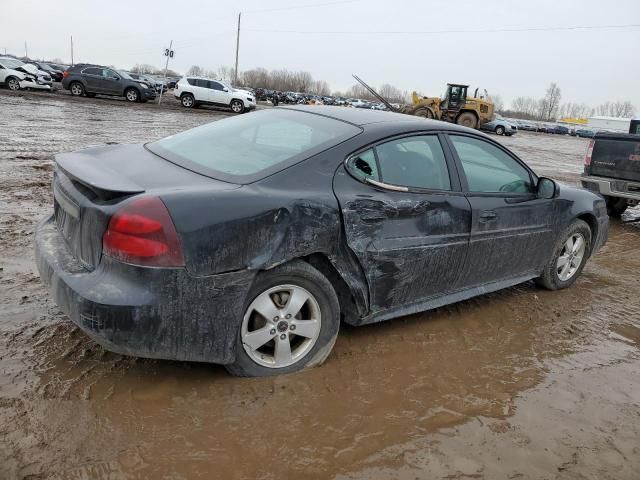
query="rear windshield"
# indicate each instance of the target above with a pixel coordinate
(246, 148)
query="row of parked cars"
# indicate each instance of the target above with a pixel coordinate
(509, 126)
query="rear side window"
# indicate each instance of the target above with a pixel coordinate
(246, 148)
(414, 162)
(92, 71)
(191, 81)
(489, 169)
(202, 83)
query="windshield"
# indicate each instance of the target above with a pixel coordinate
(124, 75)
(11, 63)
(246, 148)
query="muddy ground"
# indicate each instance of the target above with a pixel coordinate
(524, 383)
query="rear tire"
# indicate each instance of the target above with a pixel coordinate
(258, 356)
(237, 106)
(76, 89)
(467, 119)
(13, 83)
(423, 112)
(616, 206)
(187, 100)
(554, 277)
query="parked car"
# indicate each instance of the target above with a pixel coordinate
(147, 79)
(89, 80)
(585, 133)
(500, 126)
(246, 241)
(54, 72)
(16, 75)
(612, 168)
(523, 125)
(194, 91)
(558, 130)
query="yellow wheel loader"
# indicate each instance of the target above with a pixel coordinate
(455, 106)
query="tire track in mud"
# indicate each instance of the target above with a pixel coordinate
(471, 371)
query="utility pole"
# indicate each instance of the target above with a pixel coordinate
(235, 74)
(72, 50)
(26, 52)
(169, 54)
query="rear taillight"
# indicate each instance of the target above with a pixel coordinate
(65, 74)
(142, 233)
(587, 157)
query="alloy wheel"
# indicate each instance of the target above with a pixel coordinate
(76, 89)
(14, 84)
(236, 106)
(571, 257)
(132, 95)
(281, 326)
(187, 101)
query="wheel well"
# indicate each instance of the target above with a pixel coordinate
(323, 265)
(184, 94)
(590, 220)
(237, 99)
(132, 88)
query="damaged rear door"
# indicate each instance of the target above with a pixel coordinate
(405, 219)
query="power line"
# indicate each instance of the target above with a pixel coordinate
(297, 7)
(438, 32)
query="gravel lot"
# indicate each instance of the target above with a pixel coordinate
(524, 383)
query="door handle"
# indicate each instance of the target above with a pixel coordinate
(487, 216)
(373, 217)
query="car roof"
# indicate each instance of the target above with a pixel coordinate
(362, 117)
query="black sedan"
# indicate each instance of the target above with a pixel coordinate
(246, 241)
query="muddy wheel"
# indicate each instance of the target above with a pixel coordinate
(76, 88)
(422, 112)
(467, 119)
(499, 130)
(569, 257)
(616, 206)
(187, 100)
(13, 83)
(132, 95)
(237, 106)
(291, 322)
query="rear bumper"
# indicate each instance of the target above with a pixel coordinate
(148, 312)
(611, 187)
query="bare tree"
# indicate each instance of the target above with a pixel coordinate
(144, 68)
(195, 70)
(624, 109)
(550, 103)
(498, 103)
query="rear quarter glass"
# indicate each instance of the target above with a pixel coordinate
(247, 148)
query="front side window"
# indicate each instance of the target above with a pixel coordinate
(215, 85)
(489, 169)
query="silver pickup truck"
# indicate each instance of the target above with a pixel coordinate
(612, 168)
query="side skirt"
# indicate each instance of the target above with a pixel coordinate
(443, 300)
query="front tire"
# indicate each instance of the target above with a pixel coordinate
(13, 83)
(499, 130)
(237, 106)
(291, 322)
(569, 257)
(132, 95)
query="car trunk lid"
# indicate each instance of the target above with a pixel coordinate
(90, 185)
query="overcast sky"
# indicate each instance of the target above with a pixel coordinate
(509, 47)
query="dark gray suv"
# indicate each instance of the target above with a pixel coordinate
(90, 80)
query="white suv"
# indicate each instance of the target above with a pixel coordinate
(194, 91)
(16, 74)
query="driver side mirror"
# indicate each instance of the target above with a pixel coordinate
(225, 89)
(547, 188)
